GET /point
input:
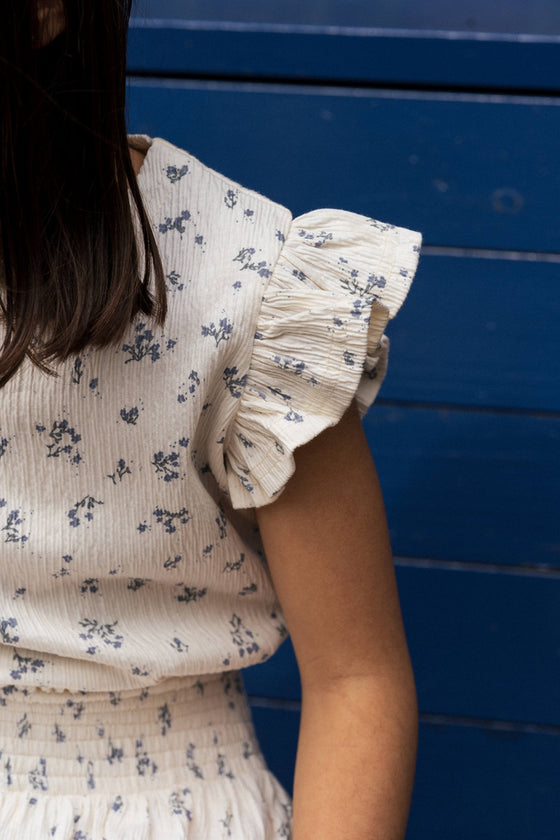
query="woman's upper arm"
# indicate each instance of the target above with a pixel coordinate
(329, 554)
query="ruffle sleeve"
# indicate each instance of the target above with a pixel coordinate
(319, 342)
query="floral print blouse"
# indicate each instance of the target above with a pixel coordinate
(129, 550)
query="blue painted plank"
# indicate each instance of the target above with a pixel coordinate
(382, 57)
(277, 730)
(469, 486)
(483, 783)
(482, 645)
(471, 781)
(513, 16)
(467, 335)
(465, 170)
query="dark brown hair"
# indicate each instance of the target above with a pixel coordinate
(69, 254)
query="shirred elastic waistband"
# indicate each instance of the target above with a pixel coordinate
(180, 728)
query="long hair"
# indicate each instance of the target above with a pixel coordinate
(69, 256)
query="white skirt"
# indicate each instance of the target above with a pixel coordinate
(176, 761)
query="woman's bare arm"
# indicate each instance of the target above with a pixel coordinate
(328, 548)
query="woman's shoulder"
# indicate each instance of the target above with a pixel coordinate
(180, 168)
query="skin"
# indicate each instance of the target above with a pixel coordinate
(328, 549)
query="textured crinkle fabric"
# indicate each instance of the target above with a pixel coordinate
(176, 761)
(130, 555)
(129, 548)
(319, 341)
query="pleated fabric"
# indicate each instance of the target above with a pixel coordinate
(175, 761)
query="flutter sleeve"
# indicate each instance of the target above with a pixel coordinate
(319, 342)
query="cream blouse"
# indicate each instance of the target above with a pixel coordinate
(129, 550)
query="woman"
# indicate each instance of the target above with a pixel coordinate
(183, 475)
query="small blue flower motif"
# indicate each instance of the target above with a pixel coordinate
(220, 333)
(318, 239)
(338, 322)
(249, 214)
(93, 386)
(3, 445)
(382, 226)
(143, 527)
(130, 415)
(88, 504)
(293, 416)
(175, 174)
(172, 562)
(63, 440)
(166, 464)
(245, 482)
(230, 199)
(357, 308)
(115, 754)
(174, 282)
(89, 586)
(237, 285)
(177, 804)
(234, 383)
(6, 627)
(175, 224)
(299, 275)
(164, 718)
(144, 345)
(245, 256)
(242, 636)
(280, 236)
(25, 665)
(199, 239)
(167, 518)
(104, 632)
(374, 280)
(38, 777)
(295, 366)
(13, 525)
(77, 370)
(348, 358)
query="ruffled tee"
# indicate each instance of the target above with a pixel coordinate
(129, 548)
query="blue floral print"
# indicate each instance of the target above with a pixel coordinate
(132, 573)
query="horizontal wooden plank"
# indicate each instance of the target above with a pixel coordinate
(396, 57)
(513, 16)
(470, 781)
(469, 486)
(466, 335)
(466, 170)
(475, 44)
(482, 644)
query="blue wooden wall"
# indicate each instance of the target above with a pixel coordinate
(444, 118)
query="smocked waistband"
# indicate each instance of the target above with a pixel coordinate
(80, 742)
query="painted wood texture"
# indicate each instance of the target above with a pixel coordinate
(370, 116)
(455, 165)
(474, 44)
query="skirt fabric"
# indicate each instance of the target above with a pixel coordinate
(176, 761)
